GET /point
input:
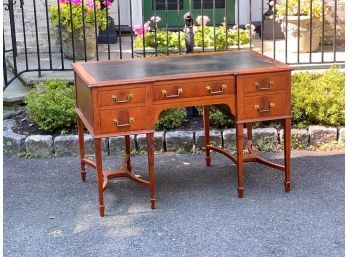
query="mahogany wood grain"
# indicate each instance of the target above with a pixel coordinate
(119, 120)
(253, 87)
(240, 147)
(264, 106)
(82, 147)
(206, 134)
(99, 168)
(264, 83)
(122, 97)
(128, 151)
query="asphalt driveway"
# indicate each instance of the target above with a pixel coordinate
(49, 211)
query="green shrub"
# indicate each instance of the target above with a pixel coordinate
(318, 98)
(51, 105)
(217, 118)
(171, 119)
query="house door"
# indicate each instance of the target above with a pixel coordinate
(175, 15)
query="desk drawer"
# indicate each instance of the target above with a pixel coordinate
(121, 120)
(197, 88)
(264, 106)
(122, 97)
(264, 83)
(173, 91)
(215, 87)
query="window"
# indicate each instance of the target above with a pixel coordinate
(172, 4)
(208, 4)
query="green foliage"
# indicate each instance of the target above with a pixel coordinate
(318, 98)
(72, 14)
(159, 40)
(223, 39)
(51, 105)
(171, 119)
(217, 118)
(305, 8)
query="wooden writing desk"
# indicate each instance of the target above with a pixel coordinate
(124, 97)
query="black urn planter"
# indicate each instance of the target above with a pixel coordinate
(111, 31)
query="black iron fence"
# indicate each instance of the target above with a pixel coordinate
(47, 35)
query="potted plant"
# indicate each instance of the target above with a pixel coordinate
(73, 16)
(299, 20)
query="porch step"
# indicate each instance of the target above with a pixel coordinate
(14, 93)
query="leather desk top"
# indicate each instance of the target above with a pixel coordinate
(175, 67)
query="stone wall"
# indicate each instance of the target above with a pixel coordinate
(330, 21)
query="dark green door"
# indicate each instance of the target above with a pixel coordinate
(175, 15)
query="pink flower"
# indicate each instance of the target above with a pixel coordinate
(64, 1)
(141, 30)
(107, 3)
(202, 20)
(90, 4)
(76, 2)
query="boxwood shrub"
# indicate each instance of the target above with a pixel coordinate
(51, 105)
(318, 98)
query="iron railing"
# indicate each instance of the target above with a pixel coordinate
(33, 44)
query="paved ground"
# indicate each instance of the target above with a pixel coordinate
(48, 211)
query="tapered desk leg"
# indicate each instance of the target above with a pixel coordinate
(80, 127)
(250, 131)
(287, 150)
(206, 134)
(151, 163)
(99, 169)
(240, 147)
(128, 150)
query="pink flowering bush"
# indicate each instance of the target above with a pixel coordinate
(89, 10)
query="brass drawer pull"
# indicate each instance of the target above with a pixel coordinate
(260, 87)
(130, 121)
(129, 97)
(210, 90)
(257, 108)
(165, 93)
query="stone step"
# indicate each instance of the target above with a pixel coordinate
(14, 93)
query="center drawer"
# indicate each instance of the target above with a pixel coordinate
(121, 120)
(198, 88)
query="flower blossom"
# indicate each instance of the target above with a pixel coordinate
(252, 28)
(64, 1)
(141, 30)
(107, 3)
(202, 20)
(90, 4)
(76, 2)
(155, 19)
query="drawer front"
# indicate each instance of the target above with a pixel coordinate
(122, 97)
(173, 91)
(264, 106)
(263, 83)
(194, 89)
(122, 120)
(215, 87)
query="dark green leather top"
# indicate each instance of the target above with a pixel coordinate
(176, 65)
